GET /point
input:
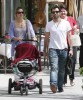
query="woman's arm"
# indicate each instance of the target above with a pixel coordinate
(70, 42)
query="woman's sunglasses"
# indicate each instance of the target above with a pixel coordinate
(20, 12)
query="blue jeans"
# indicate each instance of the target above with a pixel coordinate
(57, 60)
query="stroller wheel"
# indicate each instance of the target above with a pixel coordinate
(26, 90)
(40, 86)
(21, 90)
(9, 86)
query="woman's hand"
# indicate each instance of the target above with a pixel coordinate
(76, 30)
(17, 39)
(34, 38)
(71, 52)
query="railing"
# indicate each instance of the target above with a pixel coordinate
(4, 60)
(40, 38)
(5, 67)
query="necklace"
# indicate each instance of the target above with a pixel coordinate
(20, 24)
(56, 23)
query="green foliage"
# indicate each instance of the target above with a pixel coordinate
(7, 39)
(81, 71)
(25, 17)
(22, 3)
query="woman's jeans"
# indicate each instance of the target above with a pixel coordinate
(57, 60)
(74, 62)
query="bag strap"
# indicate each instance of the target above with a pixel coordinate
(28, 35)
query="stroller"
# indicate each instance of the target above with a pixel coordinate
(26, 64)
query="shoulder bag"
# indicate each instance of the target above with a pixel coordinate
(76, 39)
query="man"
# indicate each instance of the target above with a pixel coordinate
(55, 39)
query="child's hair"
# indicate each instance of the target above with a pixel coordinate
(62, 6)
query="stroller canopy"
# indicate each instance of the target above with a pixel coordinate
(27, 51)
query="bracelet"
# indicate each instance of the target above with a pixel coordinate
(71, 48)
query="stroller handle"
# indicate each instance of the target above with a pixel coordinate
(29, 40)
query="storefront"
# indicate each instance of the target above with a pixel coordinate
(7, 8)
(37, 11)
(0, 19)
(33, 8)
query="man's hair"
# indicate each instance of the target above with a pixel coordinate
(54, 7)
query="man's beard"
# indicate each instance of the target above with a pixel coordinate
(56, 17)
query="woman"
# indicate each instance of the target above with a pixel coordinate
(73, 24)
(80, 25)
(20, 29)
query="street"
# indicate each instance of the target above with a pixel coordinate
(70, 92)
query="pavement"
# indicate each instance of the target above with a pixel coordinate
(70, 92)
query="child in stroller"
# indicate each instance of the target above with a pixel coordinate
(26, 59)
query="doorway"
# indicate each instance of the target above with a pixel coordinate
(0, 19)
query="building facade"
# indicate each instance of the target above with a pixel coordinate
(36, 11)
(7, 9)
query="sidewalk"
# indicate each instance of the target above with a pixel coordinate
(70, 92)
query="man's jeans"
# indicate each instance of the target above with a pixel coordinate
(57, 60)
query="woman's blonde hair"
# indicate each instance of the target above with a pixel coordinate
(19, 8)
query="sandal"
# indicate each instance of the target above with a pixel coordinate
(72, 83)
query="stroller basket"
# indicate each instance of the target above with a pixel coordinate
(25, 66)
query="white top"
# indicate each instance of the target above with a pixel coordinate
(58, 34)
(80, 23)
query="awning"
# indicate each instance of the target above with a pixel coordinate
(70, 7)
(40, 18)
(81, 8)
(75, 10)
(55, 0)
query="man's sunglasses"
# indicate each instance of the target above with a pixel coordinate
(20, 12)
(55, 12)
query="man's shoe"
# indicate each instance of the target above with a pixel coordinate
(60, 89)
(53, 88)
